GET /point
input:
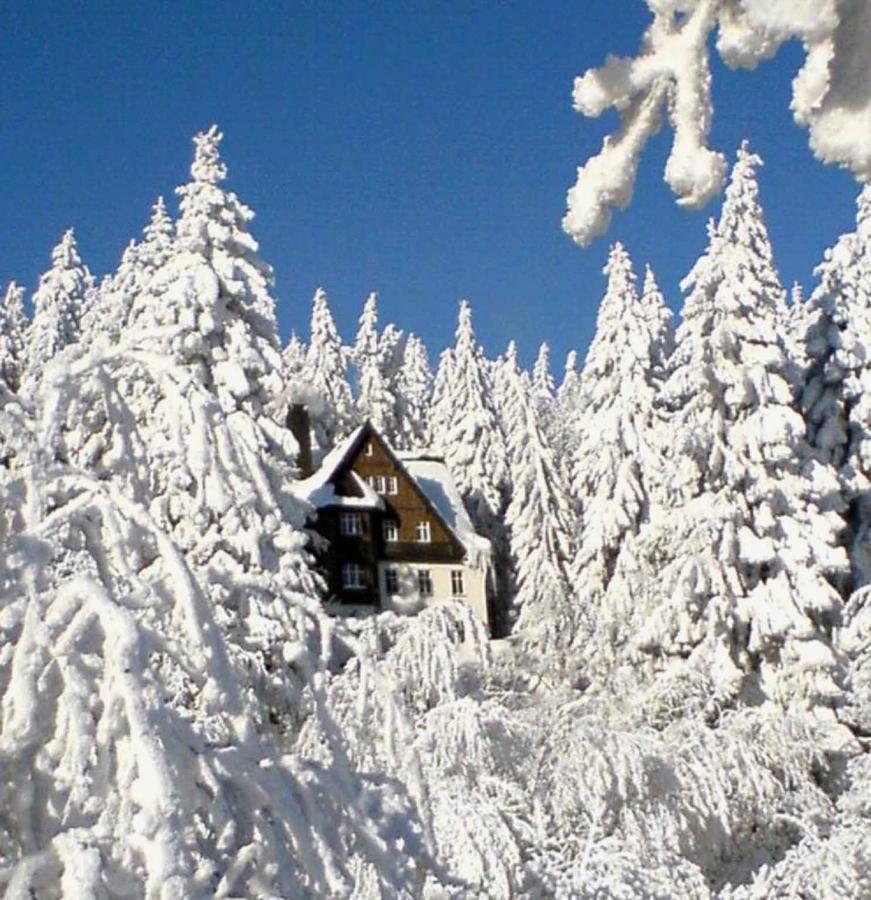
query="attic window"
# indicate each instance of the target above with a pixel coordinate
(393, 485)
(368, 450)
(391, 530)
(423, 532)
(380, 486)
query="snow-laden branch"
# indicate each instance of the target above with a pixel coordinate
(671, 75)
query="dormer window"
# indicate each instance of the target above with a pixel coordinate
(423, 532)
(350, 524)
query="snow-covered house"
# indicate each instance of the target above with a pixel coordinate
(397, 534)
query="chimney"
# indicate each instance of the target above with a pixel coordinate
(300, 427)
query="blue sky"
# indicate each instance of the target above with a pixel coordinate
(422, 150)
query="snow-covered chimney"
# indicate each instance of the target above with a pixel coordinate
(299, 423)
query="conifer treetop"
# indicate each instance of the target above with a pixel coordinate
(208, 166)
(326, 375)
(465, 426)
(160, 226)
(366, 341)
(58, 305)
(542, 380)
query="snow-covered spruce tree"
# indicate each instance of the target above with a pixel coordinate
(835, 322)
(13, 333)
(58, 306)
(205, 431)
(326, 375)
(375, 401)
(797, 326)
(116, 297)
(414, 385)
(742, 565)
(391, 348)
(465, 427)
(562, 426)
(616, 460)
(159, 617)
(539, 522)
(658, 317)
(837, 319)
(542, 381)
(293, 358)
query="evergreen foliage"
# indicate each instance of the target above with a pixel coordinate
(836, 400)
(747, 547)
(13, 334)
(539, 521)
(375, 402)
(682, 707)
(414, 386)
(465, 427)
(326, 376)
(59, 304)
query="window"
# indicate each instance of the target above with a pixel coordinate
(424, 582)
(350, 523)
(393, 485)
(380, 487)
(391, 530)
(352, 577)
(368, 450)
(391, 580)
(458, 585)
(422, 533)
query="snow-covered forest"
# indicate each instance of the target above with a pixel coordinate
(680, 701)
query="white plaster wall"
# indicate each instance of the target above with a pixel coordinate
(408, 600)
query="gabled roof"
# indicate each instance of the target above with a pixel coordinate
(431, 475)
(427, 472)
(319, 489)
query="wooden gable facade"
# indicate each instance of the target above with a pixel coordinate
(403, 526)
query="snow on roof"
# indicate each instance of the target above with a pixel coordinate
(318, 490)
(428, 471)
(434, 479)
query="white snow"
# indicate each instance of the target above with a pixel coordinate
(682, 709)
(434, 479)
(671, 77)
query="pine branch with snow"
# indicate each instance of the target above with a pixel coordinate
(671, 76)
